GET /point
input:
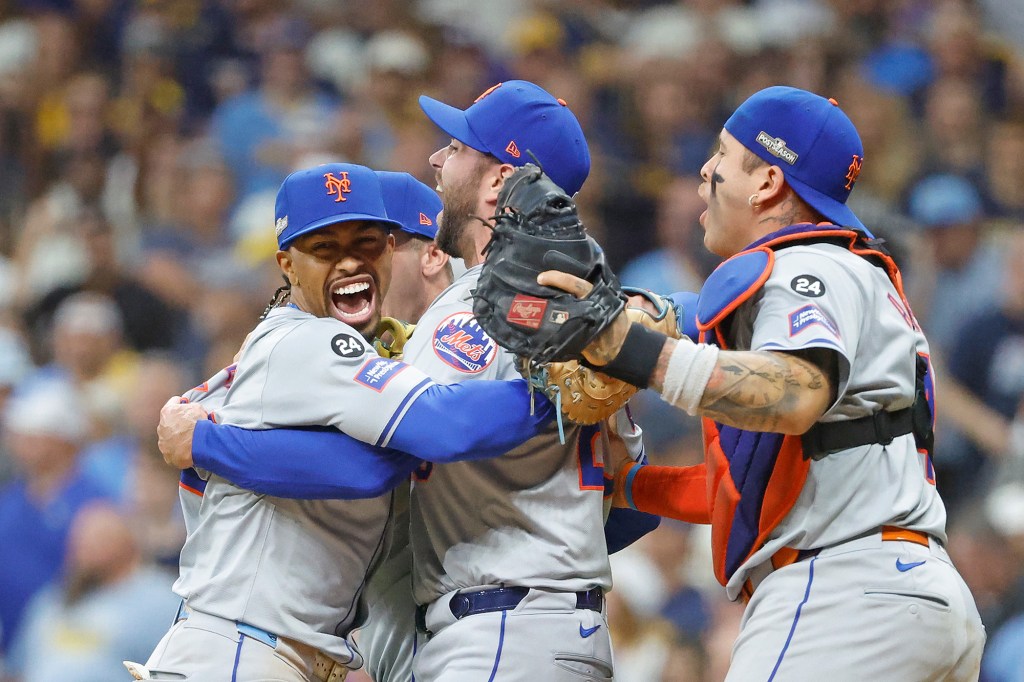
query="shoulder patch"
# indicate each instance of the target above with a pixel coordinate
(460, 342)
(376, 373)
(810, 314)
(347, 346)
(808, 285)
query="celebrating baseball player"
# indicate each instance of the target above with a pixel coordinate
(814, 382)
(509, 562)
(272, 587)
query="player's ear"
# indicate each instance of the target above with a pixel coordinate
(496, 179)
(432, 259)
(284, 261)
(772, 182)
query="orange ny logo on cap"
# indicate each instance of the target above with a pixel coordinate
(340, 186)
(424, 220)
(853, 172)
(487, 92)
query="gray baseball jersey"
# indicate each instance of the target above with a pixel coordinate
(532, 517)
(297, 568)
(823, 296)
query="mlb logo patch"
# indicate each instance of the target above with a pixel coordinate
(802, 318)
(460, 342)
(377, 372)
(527, 311)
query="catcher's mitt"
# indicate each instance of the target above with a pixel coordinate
(587, 396)
(537, 228)
(391, 337)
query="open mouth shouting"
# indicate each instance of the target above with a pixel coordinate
(353, 300)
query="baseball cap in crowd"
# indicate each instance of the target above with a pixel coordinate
(323, 195)
(516, 117)
(811, 139)
(47, 407)
(944, 200)
(411, 203)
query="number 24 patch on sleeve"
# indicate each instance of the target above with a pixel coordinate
(808, 285)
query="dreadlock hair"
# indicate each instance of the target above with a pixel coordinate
(282, 293)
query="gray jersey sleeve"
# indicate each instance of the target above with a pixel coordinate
(356, 390)
(811, 300)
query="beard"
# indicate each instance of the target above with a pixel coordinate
(460, 205)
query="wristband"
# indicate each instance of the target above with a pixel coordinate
(628, 485)
(687, 375)
(638, 356)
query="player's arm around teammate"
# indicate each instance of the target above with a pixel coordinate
(247, 613)
(815, 387)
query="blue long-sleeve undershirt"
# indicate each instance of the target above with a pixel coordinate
(444, 424)
(447, 423)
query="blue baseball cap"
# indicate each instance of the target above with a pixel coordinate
(944, 200)
(410, 202)
(513, 118)
(811, 139)
(323, 195)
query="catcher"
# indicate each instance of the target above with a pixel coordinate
(814, 382)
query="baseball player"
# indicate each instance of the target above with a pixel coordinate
(421, 270)
(815, 386)
(509, 569)
(272, 588)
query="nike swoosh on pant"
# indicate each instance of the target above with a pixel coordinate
(587, 632)
(903, 568)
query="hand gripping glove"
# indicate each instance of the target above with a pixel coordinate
(391, 337)
(537, 228)
(587, 396)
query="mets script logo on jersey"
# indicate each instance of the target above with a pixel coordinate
(376, 373)
(802, 318)
(776, 146)
(527, 311)
(340, 186)
(461, 343)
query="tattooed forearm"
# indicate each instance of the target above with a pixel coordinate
(766, 391)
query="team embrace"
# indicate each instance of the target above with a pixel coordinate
(437, 510)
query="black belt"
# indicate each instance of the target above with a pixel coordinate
(824, 438)
(464, 604)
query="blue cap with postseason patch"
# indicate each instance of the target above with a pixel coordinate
(323, 195)
(811, 139)
(513, 118)
(410, 202)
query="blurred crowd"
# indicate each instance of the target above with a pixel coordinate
(141, 146)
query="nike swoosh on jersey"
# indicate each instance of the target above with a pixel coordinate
(587, 632)
(903, 568)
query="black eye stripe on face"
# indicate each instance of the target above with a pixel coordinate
(716, 179)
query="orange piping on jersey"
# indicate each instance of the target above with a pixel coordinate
(738, 301)
(190, 489)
